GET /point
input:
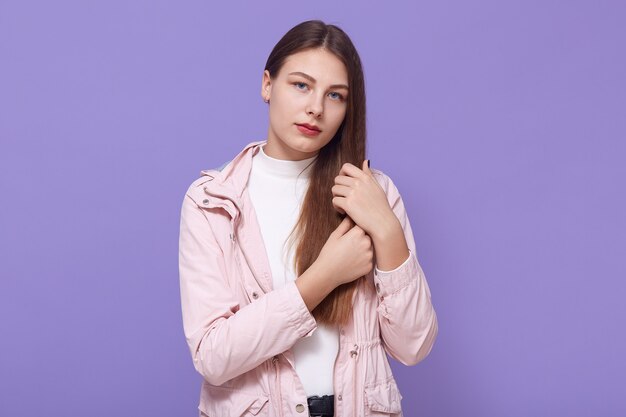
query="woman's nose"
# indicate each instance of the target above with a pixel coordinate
(315, 107)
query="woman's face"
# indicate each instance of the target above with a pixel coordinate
(310, 88)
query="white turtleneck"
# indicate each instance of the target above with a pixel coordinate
(277, 188)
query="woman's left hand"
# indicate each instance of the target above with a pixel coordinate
(357, 194)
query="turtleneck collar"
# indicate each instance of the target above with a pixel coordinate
(282, 167)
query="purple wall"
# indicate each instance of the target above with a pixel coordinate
(503, 125)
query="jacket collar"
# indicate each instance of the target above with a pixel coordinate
(227, 185)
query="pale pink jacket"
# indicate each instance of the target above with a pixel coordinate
(240, 331)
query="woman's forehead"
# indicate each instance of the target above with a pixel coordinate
(317, 63)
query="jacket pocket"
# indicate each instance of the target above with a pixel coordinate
(229, 402)
(382, 398)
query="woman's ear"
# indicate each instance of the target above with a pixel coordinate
(266, 86)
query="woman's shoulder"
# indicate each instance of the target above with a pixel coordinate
(233, 168)
(195, 190)
(206, 175)
(380, 176)
(383, 178)
(386, 184)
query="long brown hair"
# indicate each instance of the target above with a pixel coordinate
(318, 218)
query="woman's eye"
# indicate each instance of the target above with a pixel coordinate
(337, 96)
(299, 85)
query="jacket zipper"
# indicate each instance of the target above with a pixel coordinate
(237, 258)
(334, 373)
(353, 353)
(280, 398)
(250, 264)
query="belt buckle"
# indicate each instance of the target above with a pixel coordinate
(322, 406)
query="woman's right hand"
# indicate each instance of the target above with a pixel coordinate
(347, 254)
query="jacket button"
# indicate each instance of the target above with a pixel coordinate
(339, 397)
(205, 201)
(255, 295)
(299, 408)
(377, 287)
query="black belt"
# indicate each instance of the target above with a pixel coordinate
(321, 406)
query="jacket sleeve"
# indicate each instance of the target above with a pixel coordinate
(407, 318)
(226, 339)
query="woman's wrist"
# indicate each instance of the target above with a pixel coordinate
(390, 245)
(386, 229)
(314, 285)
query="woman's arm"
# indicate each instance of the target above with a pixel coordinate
(407, 318)
(226, 339)
(406, 315)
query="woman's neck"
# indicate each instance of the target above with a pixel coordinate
(283, 167)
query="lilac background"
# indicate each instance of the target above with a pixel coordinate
(502, 123)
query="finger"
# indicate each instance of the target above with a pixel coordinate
(339, 203)
(344, 180)
(340, 190)
(339, 209)
(366, 167)
(355, 230)
(351, 171)
(344, 226)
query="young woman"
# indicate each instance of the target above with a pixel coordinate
(298, 271)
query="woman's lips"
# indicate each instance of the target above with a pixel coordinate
(307, 131)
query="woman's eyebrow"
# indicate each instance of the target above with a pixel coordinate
(308, 77)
